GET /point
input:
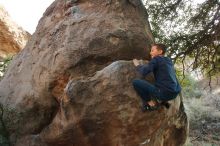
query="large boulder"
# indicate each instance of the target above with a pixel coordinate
(13, 38)
(67, 87)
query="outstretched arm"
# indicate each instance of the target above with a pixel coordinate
(147, 68)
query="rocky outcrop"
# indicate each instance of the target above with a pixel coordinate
(12, 37)
(71, 88)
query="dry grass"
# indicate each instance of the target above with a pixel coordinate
(204, 117)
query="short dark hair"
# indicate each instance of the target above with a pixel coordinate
(161, 47)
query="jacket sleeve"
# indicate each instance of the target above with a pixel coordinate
(147, 68)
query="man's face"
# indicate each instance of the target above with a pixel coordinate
(155, 52)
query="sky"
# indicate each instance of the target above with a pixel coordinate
(27, 13)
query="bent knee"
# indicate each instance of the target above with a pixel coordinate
(136, 82)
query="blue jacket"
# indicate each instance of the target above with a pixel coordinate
(164, 74)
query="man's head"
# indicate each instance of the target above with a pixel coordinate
(157, 50)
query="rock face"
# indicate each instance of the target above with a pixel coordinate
(12, 37)
(68, 86)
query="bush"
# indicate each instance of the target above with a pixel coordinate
(204, 119)
(189, 85)
(4, 65)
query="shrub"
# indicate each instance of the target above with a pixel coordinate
(189, 85)
(4, 65)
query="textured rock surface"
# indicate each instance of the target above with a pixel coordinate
(67, 87)
(104, 110)
(12, 37)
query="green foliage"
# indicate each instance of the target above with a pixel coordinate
(4, 64)
(189, 30)
(189, 85)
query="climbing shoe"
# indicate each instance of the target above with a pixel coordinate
(147, 107)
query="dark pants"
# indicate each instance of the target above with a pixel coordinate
(147, 91)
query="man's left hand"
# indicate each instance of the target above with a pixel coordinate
(136, 62)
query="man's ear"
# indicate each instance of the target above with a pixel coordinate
(161, 52)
